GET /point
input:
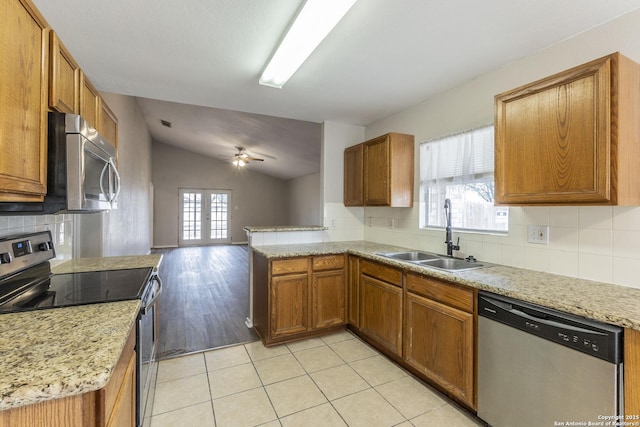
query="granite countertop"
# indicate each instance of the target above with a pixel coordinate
(272, 228)
(61, 352)
(606, 302)
(108, 263)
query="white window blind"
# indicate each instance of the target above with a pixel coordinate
(460, 168)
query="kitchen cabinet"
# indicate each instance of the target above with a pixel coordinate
(439, 335)
(632, 372)
(24, 62)
(380, 298)
(108, 123)
(384, 176)
(112, 406)
(571, 138)
(70, 91)
(64, 79)
(328, 293)
(353, 285)
(89, 101)
(354, 176)
(298, 297)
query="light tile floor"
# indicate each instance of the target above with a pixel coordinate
(336, 380)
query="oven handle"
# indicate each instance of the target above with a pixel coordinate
(154, 278)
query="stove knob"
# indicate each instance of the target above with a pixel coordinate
(5, 258)
(44, 246)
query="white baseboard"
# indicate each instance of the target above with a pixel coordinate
(164, 247)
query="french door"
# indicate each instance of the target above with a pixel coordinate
(205, 217)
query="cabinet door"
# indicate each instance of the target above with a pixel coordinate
(64, 79)
(108, 124)
(353, 176)
(89, 101)
(24, 63)
(289, 304)
(381, 313)
(439, 344)
(328, 299)
(124, 411)
(353, 281)
(553, 139)
(377, 190)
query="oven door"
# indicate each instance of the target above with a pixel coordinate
(146, 351)
(93, 182)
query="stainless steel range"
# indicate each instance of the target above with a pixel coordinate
(26, 283)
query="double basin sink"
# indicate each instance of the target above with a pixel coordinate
(440, 262)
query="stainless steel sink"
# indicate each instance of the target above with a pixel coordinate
(430, 260)
(451, 264)
(411, 256)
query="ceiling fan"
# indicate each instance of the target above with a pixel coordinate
(241, 158)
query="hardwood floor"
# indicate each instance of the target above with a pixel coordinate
(205, 299)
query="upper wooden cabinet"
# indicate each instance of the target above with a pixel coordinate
(70, 91)
(108, 123)
(571, 138)
(379, 172)
(354, 176)
(24, 67)
(89, 101)
(64, 79)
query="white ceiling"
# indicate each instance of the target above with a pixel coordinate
(384, 56)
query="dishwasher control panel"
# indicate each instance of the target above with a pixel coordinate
(588, 336)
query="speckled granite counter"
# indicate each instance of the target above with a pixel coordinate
(108, 263)
(275, 228)
(61, 352)
(614, 304)
(47, 354)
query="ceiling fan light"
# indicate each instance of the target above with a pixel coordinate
(315, 20)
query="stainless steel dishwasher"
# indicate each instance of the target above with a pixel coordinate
(541, 367)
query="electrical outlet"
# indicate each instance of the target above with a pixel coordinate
(538, 234)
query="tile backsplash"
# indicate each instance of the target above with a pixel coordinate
(590, 242)
(61, 227)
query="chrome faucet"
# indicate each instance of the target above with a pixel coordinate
(448, 237)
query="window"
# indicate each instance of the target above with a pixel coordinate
(460, 168)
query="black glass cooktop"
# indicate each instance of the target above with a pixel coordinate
(62, 290)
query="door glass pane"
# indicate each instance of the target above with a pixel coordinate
(219, 212)
(191, 216)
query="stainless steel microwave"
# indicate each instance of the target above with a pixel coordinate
(81, 170)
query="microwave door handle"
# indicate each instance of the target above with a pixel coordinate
(104, 169)
(117, 182)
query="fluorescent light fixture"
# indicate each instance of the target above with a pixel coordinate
(315, 20)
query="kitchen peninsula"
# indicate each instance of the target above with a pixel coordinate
(605, 302)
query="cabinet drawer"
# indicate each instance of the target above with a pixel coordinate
(329, 262)
(288, 266)
(439, 291)
(379, 271)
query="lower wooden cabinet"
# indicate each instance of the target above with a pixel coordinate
(631, 372)
(289, 304)
(353, 284)
(111, 406)
(380, 297)
(439, 335)
(298, 297)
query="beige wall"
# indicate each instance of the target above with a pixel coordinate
(304, 200)
(598, 243)
(125, 230)
(257, 199)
